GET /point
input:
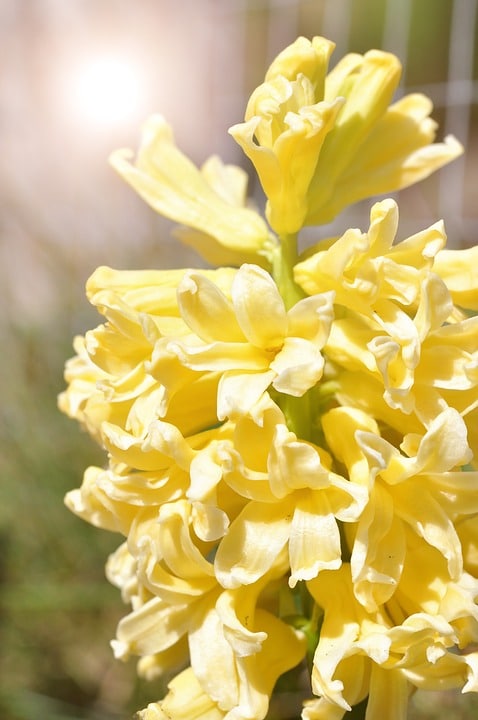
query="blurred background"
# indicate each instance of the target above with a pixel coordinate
(77, 79)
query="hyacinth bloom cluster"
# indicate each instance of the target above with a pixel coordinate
(291, 440)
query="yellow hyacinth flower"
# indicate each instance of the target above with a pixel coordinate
(233, 641)
(320, 142)
(251, 339)
(459, 269)
(362, 654)
(209, 201)
(112, 378)
(398, 323)
(186, 700)
(432, 465)
(296, 502)
(292, 442)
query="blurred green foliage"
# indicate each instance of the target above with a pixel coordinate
(57, 611)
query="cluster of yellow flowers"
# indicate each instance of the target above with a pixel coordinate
(292, 440)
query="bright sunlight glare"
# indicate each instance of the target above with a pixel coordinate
(105, 91)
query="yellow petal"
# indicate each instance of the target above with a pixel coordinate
(339, 631)
(193, 579)
(259, 308)
(240, 393)
(459, 270)
(311, 318)
(186, 700)
(153, 667)
(120, 571)
(427, 518)
(143, 290)
(314, 543)
(378, 551)
(444, 445)
(285, 164)
(262, 671)
(360, 157)
(206, 310)
(230, 183)
(298, 366)
(94, 505)
(389, 695)
(434, 308)
(178, 547)
(304, 57)
(217, 254)
(212, 658)
(218, 355)
(151, 628)
(293, 464)
(236, 610)
(340, 427)
(175, 188)
(255, 539)
(383, 165)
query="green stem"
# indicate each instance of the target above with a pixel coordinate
(313, 634)
(296, 410)
(283, 262)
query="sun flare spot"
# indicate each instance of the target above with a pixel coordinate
(106, 91)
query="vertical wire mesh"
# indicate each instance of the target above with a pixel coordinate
(458, 104)
(396, 31)
(336, 24)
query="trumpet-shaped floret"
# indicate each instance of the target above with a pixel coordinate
(320, 142)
